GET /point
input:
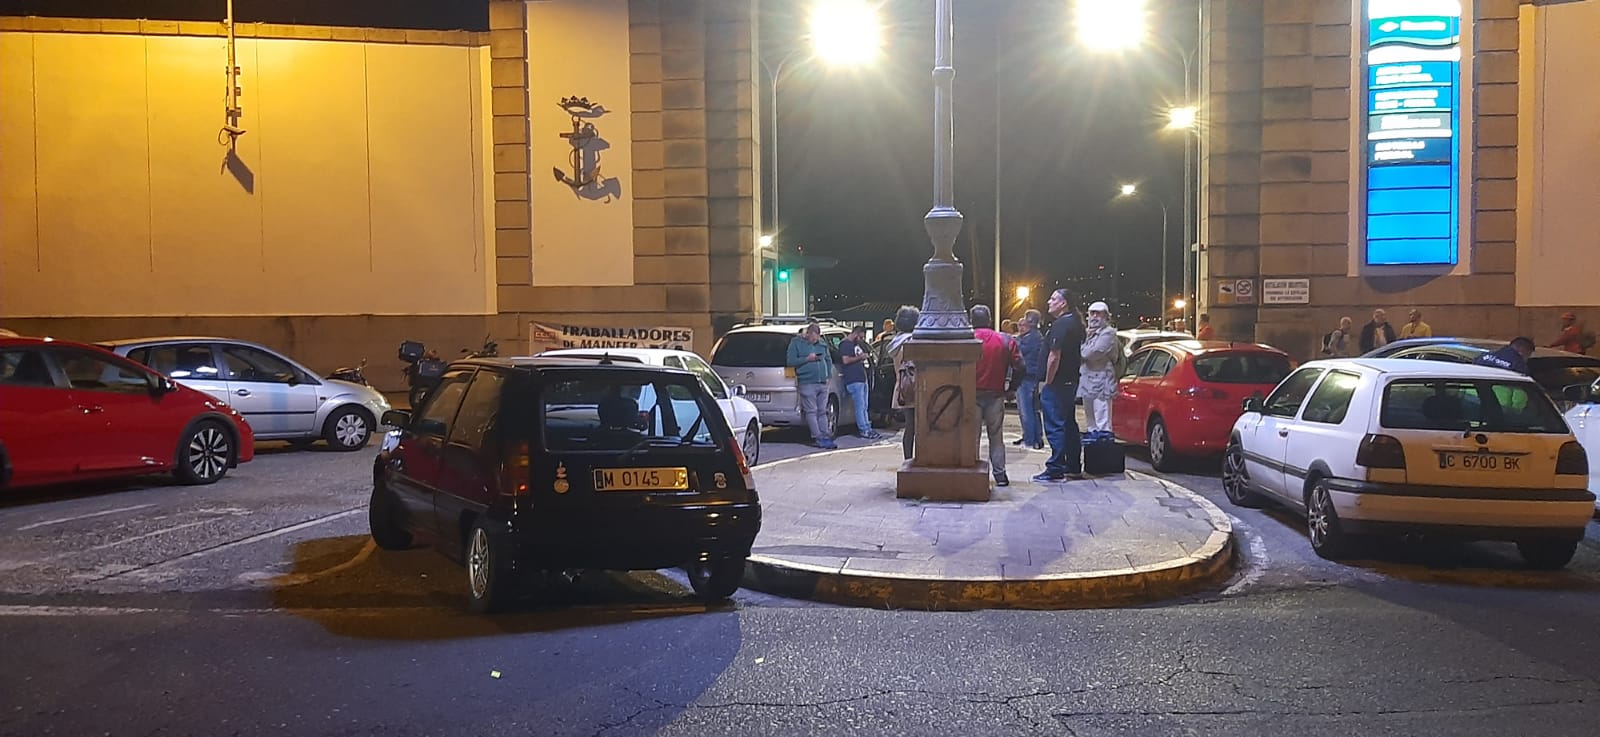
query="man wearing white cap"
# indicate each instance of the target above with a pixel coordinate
(1099, 372)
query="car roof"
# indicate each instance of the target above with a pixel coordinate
(643, 354)
(1483, 344)
(23, 341)
(1201, 347)
(170, 339)
(786, 328)
(1411, 367)
(543, 363)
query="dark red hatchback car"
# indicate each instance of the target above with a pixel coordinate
(522, 466)
(71, 412)
(1181, 398)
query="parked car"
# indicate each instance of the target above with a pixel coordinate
(739, 412)
(517, 466)
(755, 356)
(1180, 398)
(70, 411)
(1393, 446)
(283, 400)
(1133, 340)
(1554, 370)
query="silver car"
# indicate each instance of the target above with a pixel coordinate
(754, 355)
(281, 399)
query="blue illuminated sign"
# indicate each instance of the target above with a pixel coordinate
(1411, 76)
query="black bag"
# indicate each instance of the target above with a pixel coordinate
(411, 350)
(1103, 458)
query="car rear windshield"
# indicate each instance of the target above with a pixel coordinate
(595, 412)
(1467, 404)
(1241, 368)
(1557, 373)
(751, 350)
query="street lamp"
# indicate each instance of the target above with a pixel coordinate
(1022, 293)
(1110, 25)
(944, 316)
(1183, 117)
(842, 32)
(766, 241)
(1132, 191)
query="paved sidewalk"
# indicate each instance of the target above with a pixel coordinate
(832, 530)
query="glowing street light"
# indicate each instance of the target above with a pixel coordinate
(1129, 190)
(1179, 303)
(1110, 25)
(1022, 293)
(766, 241)
(1184, 117)
(845, 31)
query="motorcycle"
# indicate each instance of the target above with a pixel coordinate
(424, 367)
(355, 375)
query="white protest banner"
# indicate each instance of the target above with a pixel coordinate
(546, 337)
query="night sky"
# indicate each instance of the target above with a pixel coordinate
(857, 144)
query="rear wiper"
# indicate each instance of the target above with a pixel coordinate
(687, 437)
(643, 444)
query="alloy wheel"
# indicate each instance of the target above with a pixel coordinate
(351, 430)
(208, 453)
(1158, 444)
(478, 572)
(1233, 474)
(752, 444)
(1319, 516)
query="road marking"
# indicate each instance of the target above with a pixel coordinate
(1255, 564)
(276, 580)
(268, 535)
(62, 520)
(135, 538)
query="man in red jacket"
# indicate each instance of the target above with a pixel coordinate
(1571, 338)
(1000, 356)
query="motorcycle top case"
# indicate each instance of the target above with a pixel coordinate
(411, 350)
(431, 368)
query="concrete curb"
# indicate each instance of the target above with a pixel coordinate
(1207, 567)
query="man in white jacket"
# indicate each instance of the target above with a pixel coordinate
(1099, 373)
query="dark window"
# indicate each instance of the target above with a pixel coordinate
(1555, 374)
(478, 410)
(617, 412)
(1331, 401)
(1136, 363)
(751, 349)
(253, 364)
(98, 373)
(441, 405)
(24, 368)
(1242, 368)
(185, 361)
(1466, 405)
(1159, 364)
(1285, 400)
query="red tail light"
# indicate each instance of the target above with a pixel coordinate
(1201, 392)
(516, 471)
(1572, 460)
(1381, 451)
(744, 468)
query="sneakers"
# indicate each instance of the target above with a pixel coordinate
(1001, 480)
(872, 435)
(1050, 478)
(1018, 441)
(826, 444)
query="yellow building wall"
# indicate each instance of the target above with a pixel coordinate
(1559, 155)
(358, 188)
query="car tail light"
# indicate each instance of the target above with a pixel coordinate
(516, 471)
(1572, 460)
(1201, 392)
(1381, 451)
(744, 468)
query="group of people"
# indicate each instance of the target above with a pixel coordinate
(1345, 341)
(812, 362)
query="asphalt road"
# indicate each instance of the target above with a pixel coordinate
(258, 606)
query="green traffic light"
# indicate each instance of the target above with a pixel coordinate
(783, 275)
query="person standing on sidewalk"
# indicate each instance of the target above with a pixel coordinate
(1031, 346)
(1062, 351)
(1378, 333)
(1099, 374)
(853, 374)
(905, 321)
(1336, 344)
(1571, 337)
(813, 367)
(999, 356)
(1206, 331)
(1415, 327)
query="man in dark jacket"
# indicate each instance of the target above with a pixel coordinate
(1513, 357)
(1031, 343)
(1378, 333)
(1063, 358)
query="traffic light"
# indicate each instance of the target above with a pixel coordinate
(783, 275)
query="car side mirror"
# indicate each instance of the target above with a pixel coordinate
(1253, 403)
(740, 390)
(397, 418)
(161, 386)
(1577, 393)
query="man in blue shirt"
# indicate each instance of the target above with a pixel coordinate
(854, 354)
(1513, 357)
(813, 367)
(1032, 345)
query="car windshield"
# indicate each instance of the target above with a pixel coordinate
(1242, 368)
(751, 349)
(615, 412)
(1557, 373)
(1469, 405)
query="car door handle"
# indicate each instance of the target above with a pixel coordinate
(1283, 432)
(243, 392)
(91, 410)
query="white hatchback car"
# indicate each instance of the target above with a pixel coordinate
(1394, 446)
(743, 417)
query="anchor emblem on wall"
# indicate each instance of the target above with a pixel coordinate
(583, 160)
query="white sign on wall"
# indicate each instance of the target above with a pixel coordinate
(1286, 291)
(545, 337)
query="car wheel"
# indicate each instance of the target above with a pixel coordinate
(1547, 555)
(832, 419)
(1236, 479)
(384, 521)
(347, 429)
(490, 580)
(204, 454)
(1322, 524)
(715, 579)
(1160, 445)
(752, 443)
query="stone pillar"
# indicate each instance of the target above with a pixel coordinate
(945, 465)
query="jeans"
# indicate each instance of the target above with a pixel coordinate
(814, 407)
(1028, 407)
(1061, 428)
(992, 410)
(858, 397)
(908, 438)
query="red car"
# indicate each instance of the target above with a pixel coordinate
(71, 412)
(1181, 398)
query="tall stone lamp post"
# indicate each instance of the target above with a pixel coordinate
(944, 463)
